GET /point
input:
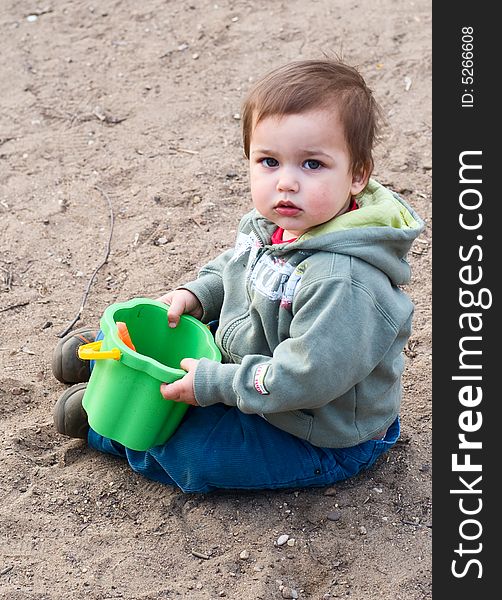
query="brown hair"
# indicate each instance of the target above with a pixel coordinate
(309, 84)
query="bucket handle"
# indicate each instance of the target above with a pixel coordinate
(92, 352)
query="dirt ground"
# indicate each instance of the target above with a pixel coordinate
(138, 103)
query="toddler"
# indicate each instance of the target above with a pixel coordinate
(312, 320)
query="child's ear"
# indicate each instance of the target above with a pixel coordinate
(359, 181)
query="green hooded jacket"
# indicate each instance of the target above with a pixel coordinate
(312, 332)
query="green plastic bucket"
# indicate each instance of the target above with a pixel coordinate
(122, 399)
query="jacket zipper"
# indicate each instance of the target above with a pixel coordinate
(236, 322)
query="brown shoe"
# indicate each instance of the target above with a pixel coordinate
(69, 415)
(67, 367)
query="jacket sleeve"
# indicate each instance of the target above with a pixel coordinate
(339, 334)
(208, 287)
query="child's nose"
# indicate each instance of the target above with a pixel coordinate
(287, 181)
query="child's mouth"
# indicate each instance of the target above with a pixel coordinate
(287, 209)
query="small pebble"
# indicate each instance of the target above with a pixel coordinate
(282, 539)
(244, 555)
(363, 530)
(334, 515)
(288, 592)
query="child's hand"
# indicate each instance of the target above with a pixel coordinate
(181, 302)
(182, 389)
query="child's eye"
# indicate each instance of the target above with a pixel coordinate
(269, 162)
(312, 164)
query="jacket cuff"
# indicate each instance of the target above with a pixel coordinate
(210, 297)
(213, 383)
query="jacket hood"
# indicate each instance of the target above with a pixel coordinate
(380, 232)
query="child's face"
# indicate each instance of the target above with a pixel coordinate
(299, 170)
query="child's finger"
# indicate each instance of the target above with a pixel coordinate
(170, 391)
(166, 298)
(176, 309)
(188, 364)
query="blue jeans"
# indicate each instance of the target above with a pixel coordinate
(219, 447)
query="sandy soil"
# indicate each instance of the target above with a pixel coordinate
(139, 102)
